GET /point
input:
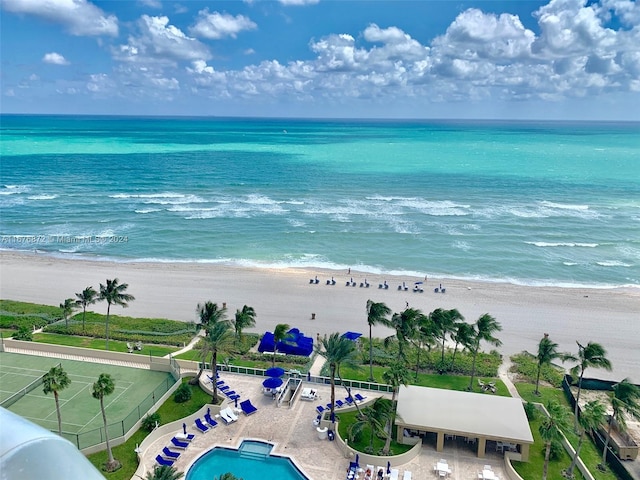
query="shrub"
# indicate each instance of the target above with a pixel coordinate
(182, 393)
(149, 422)
(530, 410)
(23, 334)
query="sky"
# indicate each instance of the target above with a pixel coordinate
(517, 59)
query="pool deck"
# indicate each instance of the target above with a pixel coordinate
(293, 434)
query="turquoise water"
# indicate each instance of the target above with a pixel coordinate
(529, 203)
(251, 462)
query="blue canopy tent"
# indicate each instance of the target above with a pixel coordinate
(274, 372)
(352, 335)
(295, 343)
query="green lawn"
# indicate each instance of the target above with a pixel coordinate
(589, 454)
(533, 468)
(169, 411)
(100, 344)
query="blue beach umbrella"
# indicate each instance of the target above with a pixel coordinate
(272, 382)
(388, 468)
(274, 372)
(357, 459)
(184, 428)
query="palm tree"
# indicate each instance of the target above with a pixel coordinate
(84, 299)
(164, 472)
(445, 321)
(219, 338)
(590, 418)
(280, 334)
(245, 318)
(338, 350)
(55, 380)
(113, 294)
(66, 309)
(463, 335)
(208, 314)
(547, 353)
(405, 325)
(398, 374)
(484, 329)
(593, 355)
(551, 430)
(624, 401)
(374, 417)
(103, 387)
(424, 334)
(377, 314)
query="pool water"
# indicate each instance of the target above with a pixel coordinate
(252, 461)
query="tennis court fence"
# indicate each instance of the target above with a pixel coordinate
(23, 391)
(119, 429)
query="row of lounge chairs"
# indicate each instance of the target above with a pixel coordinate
(348, 401)
(168, 456)
(224, 388)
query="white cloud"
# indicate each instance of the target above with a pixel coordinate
(160, 43)
(55, 59)
(220, 25)
(298, 2)
(151, 3)
(79, 17)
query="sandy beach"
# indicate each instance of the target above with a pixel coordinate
(172, 290)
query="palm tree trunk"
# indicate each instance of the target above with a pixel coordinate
(538, 379)
(84, 313)
(453, 359)
(545, 468)
(107, 325)
(333, 392)
(606, 442)
(443, 340)
(574, 461)
(106, 431)
(371, 379)
(387, 442)
(55, 396)
(214, 367)
(418, 361)
(575, 410)
(473, 366)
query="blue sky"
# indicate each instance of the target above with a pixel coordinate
(557, 59)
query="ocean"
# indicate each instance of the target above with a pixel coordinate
(534, 203)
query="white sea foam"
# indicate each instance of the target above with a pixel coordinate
(42, 197)
(563, 244)
(166, 198)
(147, 210)
(14, 189)
(613, 263)
(564, 206)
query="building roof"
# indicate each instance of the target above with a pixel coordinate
(463, 413)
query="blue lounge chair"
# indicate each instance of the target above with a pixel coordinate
(224, 388)
(359, 398)
(247, 407)
(339, 403)
(170, 453)
(320, 409)
(210, 421)
(176, 442)
(234, 397)
(348, 401)
(228, 393)
(220, 383)
(190, 436)
(201, 426)
(163, 461)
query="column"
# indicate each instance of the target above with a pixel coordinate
(482, 445)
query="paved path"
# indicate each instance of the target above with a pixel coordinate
(503, 373)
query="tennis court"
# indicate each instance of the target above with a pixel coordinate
(135, 390)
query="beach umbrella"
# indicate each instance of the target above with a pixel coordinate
(357, 459)
(236, 401)
(272, 382)
(308, 376)
(184, 428)
(208, 410)
(388, 468)
(274, 372)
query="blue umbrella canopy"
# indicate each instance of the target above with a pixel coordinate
(274, 372)
(272, 382)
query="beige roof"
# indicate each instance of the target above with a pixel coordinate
(463, 413)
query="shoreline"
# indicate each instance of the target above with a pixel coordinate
(284, 295)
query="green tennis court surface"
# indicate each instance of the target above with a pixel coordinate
(80, 412)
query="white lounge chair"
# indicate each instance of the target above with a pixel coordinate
(407, 475)
(394, 474)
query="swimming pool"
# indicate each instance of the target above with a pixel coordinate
(252, 461)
